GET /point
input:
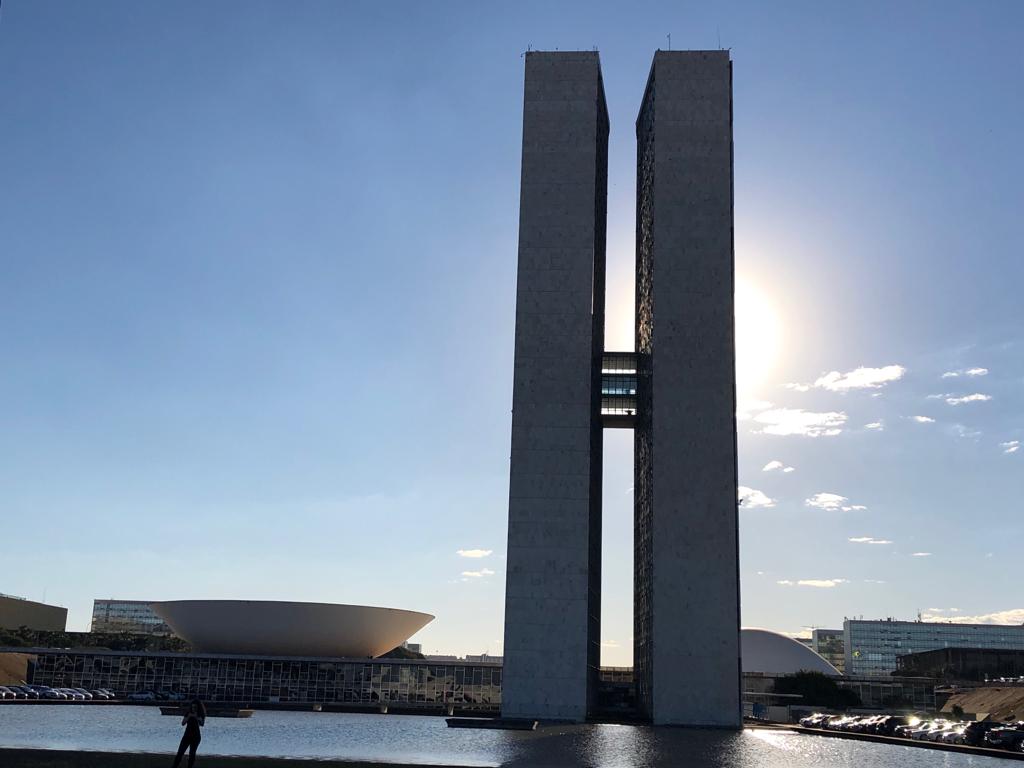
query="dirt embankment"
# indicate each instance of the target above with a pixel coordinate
(997, 703)
(13, 668)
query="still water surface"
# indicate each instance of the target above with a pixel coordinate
(427, 740)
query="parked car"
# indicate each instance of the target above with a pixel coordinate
(904, 731)
(888, 725)
(954, 735)
(18, 693)
(974, 733)
(142, 696)
(1008, 737)
(816, 720)
(5, 694)
(939, 732)
(85, 693)
(922, 730)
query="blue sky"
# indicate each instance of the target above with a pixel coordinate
(257, 303)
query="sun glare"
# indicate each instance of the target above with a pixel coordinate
(758, 338)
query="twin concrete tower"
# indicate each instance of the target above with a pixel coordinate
(676, 392)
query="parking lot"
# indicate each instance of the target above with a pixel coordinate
(971, 733)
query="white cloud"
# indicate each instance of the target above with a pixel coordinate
(965, 372)
(977, 397)
(921, 554)
(868, 540)
(1011, 446)
(1009, 616)
(474, 552)
(877, 425)
(751, 498)
(962, 431)
(747, 408)
(819, 583)
(796, 421)
(773, 465)
(832, 502)
(923, 419)
(874, 581)
(860, 378)
(798, 387)
(478, 574)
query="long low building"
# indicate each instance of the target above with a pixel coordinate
(411, 683)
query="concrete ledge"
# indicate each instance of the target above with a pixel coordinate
(53, 758)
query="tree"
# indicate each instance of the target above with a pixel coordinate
(817, 689)
(958, 712)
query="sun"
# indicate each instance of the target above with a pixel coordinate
(758, 338)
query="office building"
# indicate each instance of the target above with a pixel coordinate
(17, 612)
(873, 647)
(963, 664)
(828, 643)
(676, 391)
(136, 617)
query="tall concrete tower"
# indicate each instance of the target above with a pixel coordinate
(686, 653)
(676, 391)
(553, 588)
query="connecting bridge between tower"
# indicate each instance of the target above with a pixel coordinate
(619, 401)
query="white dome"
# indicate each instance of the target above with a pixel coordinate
(272, 628)
(770, 653)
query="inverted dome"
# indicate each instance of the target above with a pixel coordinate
(273, 628)
(769, 652)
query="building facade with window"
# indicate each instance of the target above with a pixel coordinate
(405, 683)
(872, 647)
(134, 616)
(829, 644)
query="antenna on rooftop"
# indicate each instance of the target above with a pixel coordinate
(719, 30)
(669, 36)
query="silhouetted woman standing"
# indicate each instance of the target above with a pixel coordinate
(194, 719)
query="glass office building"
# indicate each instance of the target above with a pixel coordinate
(135, 616)
(872, 647)
(829, 644)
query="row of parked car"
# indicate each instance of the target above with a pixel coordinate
(160, 695)
(996, 735)
(46, 692)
